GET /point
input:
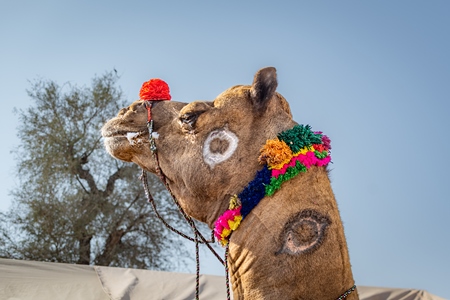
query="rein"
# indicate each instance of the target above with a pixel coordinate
(198, 237)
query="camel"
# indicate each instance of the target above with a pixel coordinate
(243, 166)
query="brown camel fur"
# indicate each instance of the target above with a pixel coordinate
(209, 151)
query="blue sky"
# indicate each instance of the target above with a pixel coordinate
(373, 75)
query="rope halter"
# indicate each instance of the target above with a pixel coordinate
(153, 90)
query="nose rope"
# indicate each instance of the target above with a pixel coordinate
(154, 90)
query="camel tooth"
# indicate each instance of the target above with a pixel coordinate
(131, 136)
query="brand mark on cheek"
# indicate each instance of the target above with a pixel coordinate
(219, 146)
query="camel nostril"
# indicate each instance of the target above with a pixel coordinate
(122, 111)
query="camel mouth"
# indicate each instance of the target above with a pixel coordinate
(135, 137)
(127, 134)
(132, 136)
(111, 132)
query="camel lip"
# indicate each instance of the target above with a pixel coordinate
(134, 138)
(112, 133)
(125, 134)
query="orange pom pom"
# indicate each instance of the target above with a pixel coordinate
(275, 154)
(154, 89)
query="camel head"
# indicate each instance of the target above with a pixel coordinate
(208, 150)
(224, 159)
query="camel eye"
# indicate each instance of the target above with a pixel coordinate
(188, 121)
(190, 113)
(189, 118)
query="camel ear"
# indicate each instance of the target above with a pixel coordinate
(263, 87)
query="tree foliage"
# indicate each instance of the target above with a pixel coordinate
(75, 203)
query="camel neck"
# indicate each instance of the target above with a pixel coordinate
(293, 152)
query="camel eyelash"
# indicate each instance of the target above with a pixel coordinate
(189, 118)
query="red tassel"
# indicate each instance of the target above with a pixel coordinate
(154, 89)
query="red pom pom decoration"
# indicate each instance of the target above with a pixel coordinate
(154, 89)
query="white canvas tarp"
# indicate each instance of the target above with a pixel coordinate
(29, 280)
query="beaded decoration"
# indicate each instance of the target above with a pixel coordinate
(293, 152)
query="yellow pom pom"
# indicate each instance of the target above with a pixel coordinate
(305, 150)
(234, 202)
(225, 233)
(235, 223)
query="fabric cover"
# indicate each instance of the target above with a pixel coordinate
(30, 280)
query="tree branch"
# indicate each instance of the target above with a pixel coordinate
(86, 175)
(113, 178)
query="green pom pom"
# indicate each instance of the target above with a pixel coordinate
(321, 155)
(291, 172)
(299, 137)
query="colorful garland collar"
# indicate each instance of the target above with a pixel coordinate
(293, 152)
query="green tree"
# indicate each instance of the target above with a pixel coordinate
(75, 203)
